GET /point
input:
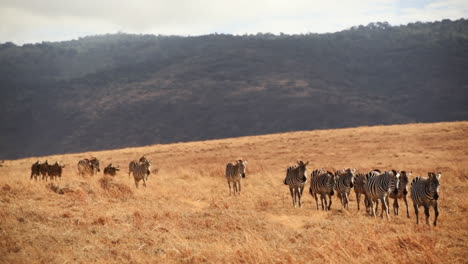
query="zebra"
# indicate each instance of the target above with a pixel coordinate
(401, 193)
(55, 170)
(133, 163)
(35, 170)
(111, 170)
(378, 186)
(44, 169)
(359, 182)
(344, 181)
(235, 171)
(425, 192)
(322, 183)
(141, 171)
(88, 166)
(296, 178)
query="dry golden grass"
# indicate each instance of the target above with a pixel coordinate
(186, 215)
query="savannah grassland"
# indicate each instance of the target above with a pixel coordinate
(186, 214)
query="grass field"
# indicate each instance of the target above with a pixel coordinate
(186, 214)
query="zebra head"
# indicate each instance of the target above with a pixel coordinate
(395, 180)
(242, 167)
(434, 183)
(404, 181)
(302, 167)
(94, 162)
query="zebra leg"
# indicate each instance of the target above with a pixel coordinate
(293, 196)
(136, 182)
(229, 184)
(358, 200)
(406, 203)
(384, 207)
(427, 213)
(239, 191)
(323, 201)
(299, 196)
(329, 204)
(436, 211)
(395, 206)
(416, 211)
(236, 190)
(316, 200)
(347, 200)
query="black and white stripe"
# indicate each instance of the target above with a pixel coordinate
(344, 181)
(141, 171)
(401, 193)
(44, 169)
(235, 171)
(55, 171)
(296, 178)
(359, 188)
(322, 183)
(378, 186)
(425, 192)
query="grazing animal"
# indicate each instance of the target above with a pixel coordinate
(378, 186)
(35, 170)
(425, 192)
(344, 181)
(111, 170)
(235, 171)
(44, 169)
(55, 171)
(88, 166)
(322, 183)
(296, 178)
(401, 193)
(141, 172)
(359, 182)
(133, 163)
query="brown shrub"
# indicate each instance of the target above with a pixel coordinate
(114, 189)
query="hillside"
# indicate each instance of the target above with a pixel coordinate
(185, 215)
(121, 90)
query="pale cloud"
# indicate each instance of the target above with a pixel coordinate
(24, 21)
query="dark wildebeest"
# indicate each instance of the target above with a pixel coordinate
(44, 169)
(55, 170)
(111, 170)
(35, 170)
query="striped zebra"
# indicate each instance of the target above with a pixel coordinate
(344, 181)
(425, 192)
(35, 170)
(296, 178)
(378, 186)
(359, 189)
(141, 171)
(322, 183)
(133, 163)
(401, 193)
(235, 171)
(44, 169)
(88, 166)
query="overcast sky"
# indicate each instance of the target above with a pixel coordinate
(30, 21)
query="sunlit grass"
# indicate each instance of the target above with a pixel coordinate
(186, 214)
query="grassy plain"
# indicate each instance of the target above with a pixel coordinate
(186, 214)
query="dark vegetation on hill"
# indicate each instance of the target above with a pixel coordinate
(122, 90)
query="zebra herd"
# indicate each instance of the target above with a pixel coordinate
(140, 169)
(376, 186)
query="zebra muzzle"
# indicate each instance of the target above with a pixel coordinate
(243, 175)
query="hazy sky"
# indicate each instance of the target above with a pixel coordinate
(29, 21)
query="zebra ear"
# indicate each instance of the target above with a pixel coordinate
(431, 174)
(439, 175)
(306, 163)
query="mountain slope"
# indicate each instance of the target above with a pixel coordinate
(128, 90)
